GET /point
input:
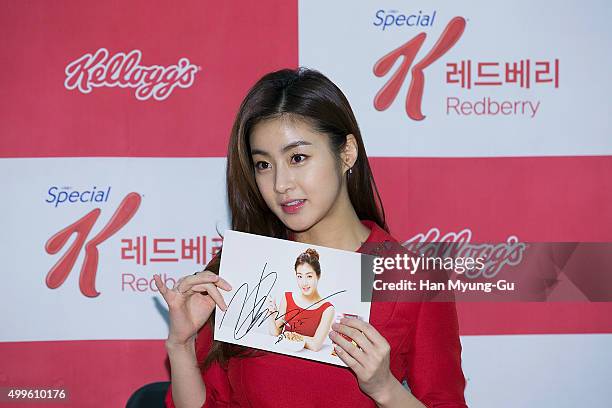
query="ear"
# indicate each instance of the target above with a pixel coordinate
(349, 152)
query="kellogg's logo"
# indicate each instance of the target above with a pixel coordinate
(510, 252)
(124, 70)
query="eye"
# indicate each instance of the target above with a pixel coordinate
(262, 165)
(298, 158)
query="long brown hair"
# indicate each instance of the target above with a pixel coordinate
(302, 94)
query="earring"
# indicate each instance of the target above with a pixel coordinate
(350, 171)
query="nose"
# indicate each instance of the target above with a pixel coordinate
(283, 180)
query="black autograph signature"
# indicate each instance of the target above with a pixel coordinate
(259, 314)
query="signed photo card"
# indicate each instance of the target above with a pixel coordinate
(286, 295)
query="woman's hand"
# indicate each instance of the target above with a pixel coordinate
(369, 361)
(272, 306)
(191, 302)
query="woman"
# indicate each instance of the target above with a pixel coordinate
(297, 169)
(305, 314)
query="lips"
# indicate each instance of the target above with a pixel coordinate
(292, 206)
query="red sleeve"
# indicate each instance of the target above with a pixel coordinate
(214, 377)
(434, 368)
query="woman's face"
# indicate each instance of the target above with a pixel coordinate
(295, 171)
(307, 279)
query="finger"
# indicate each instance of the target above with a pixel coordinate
(186, 282)
(359, 338)
(201, 277)
(348, 347)
(223, 284)
(213, 292)
(161, 286)
(209, 301)
(200, 287)
(208, 276)
(367, 329)
(177, 285)
(349, 360)
(203, 286)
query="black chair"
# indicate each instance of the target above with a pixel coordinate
(149, 396)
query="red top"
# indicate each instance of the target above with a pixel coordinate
(425, 351)
(303, 321)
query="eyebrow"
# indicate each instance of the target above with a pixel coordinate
(285, 148)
